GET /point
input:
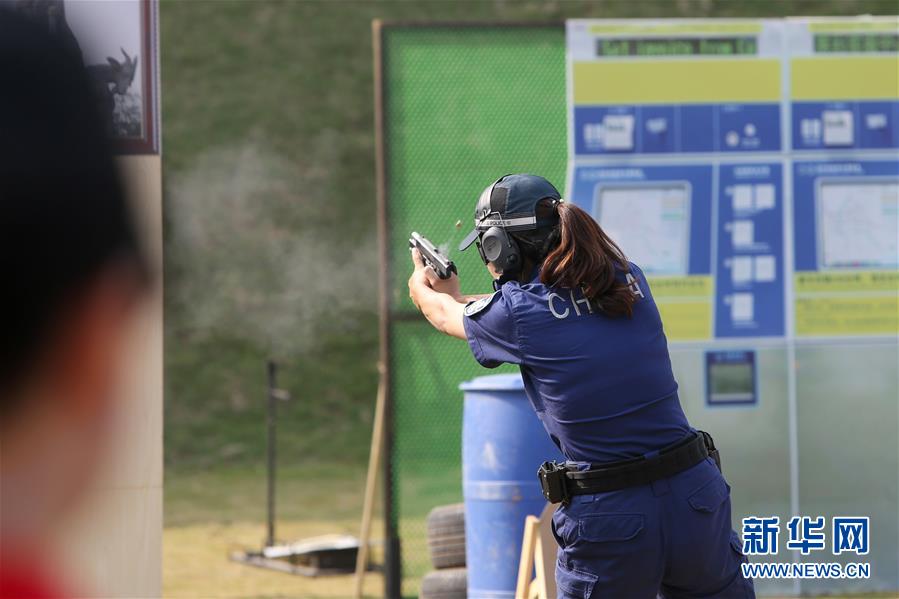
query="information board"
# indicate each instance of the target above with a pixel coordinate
(844, 107)
(654, 211)
(696, 144)
(846, 222)
(857, 224)
(651, 223)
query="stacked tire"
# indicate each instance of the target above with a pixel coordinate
(446, 543)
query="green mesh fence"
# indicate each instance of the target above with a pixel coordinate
(463, 105)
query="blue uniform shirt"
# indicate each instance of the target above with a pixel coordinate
(602, 386)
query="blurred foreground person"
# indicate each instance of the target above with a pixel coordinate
(72, 274)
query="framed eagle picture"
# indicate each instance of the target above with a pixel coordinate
(118, 43)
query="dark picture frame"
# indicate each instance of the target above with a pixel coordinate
(127, 85)
(149, 141)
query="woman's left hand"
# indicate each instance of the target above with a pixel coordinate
(438, 299)
(425, 275)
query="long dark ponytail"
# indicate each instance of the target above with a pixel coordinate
(578, 253)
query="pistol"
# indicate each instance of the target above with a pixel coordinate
(442, 265)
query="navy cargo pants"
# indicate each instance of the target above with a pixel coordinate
(671, 538)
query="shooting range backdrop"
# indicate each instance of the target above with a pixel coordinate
(806, 412)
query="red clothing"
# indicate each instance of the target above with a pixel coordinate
(21, 580)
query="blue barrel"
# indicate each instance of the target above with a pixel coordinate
(503, 444)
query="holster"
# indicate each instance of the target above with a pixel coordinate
(713, 451)
(553, 482)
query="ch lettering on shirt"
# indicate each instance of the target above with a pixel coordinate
(558, 304)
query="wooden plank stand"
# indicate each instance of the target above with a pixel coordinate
(538, 556)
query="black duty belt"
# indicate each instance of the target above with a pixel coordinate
(560, 481)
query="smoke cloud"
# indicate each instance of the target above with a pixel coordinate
(250, 256)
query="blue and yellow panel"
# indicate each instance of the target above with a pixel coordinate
(749, 268)
(653, 213)
(845, 94)
(668, 106)
(846, 235)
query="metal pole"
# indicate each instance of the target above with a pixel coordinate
(271, 455)
(393, 577)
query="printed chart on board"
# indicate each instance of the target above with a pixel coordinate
(707, 187)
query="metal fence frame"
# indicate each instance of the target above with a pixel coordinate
(380, 29)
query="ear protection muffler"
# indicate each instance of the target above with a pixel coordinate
(508, 231)
(497, 247)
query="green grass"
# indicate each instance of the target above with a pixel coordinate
(317, 492)
(220, 421)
